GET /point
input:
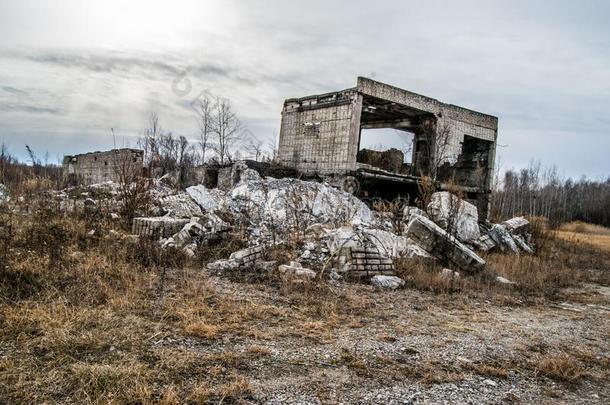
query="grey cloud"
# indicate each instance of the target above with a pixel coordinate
(14, 90)
(117, 62)
(28, 108)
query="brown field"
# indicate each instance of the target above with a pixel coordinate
(580, 232)
(104, 319)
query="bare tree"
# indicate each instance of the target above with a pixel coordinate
(439, 146)
(151, 140)
(272, 147)
(206, 119)
(133, 186)
(226, 129)
(255, 147)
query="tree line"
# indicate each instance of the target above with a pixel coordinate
(542, 191)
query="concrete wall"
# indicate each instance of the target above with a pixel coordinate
(320, 134)
(99, 167)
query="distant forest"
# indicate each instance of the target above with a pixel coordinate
(541, 191)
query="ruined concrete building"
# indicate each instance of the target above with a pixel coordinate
(320, 136)
(98, 167)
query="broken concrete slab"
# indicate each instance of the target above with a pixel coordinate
(157, 227)
(209, 200)
(296, 272)
(409, 211)
(180, 206)
(522, 244)
(289, 203)
(503, 239)
(517, 225)
(439, 243)
(458, 217)
(485, 243)
(247, 256)
(387, 282)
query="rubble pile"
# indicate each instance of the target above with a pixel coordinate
(279, 204)
(337, 234)
(338, 231)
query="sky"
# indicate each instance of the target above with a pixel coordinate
(71, 70)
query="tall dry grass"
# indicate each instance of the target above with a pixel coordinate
(84, 316)
(558, 263)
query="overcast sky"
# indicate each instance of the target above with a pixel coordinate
(71, 70)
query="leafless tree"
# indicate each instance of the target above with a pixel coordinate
(133, 186)
(272, 147)
(206, 119)
(151, 140)
(226, 129)
(255, 148)
(439, 146)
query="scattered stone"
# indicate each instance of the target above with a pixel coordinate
(223, 265)
(503, 280)
(265, 265)
(189, 250)
(297, 272)
(456, 216)
(448, 273)
(187, 235)
(77, 255)
(248, 256)
(387, 282)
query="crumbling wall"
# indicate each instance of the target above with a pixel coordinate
(320, 134)
(99, 167)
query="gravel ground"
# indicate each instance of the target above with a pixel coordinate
(417, 347)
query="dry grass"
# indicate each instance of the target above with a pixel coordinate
(557, 264)
(585, 228)
(585, 234)
(560, 367)
(84, 318)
